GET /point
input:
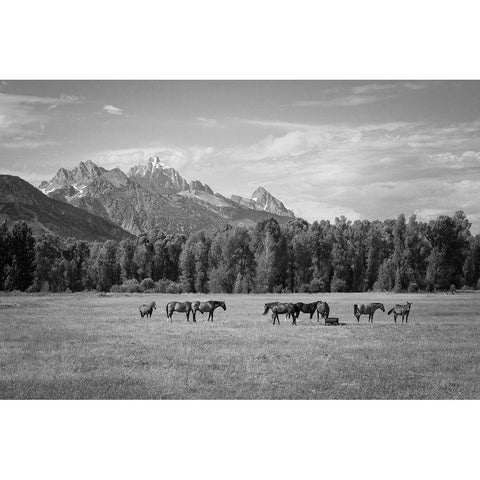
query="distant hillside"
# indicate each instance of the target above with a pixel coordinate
(21, 201)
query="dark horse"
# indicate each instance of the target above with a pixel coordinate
(368, 309)
(209, 307)
(185, 307)
(403, 310)
(276, 308)
(311, 308)
(323, 310)
(147, 309)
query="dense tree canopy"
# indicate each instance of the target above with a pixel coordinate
(398, 255)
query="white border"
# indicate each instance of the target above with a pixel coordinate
(254, 40)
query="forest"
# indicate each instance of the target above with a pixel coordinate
(343, 256)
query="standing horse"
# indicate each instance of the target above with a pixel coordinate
(276, 308)
(323, 310)
(147, 309)
(368, 309)
(403, 310)
(209, 306)
(309, 308)
(185, 307)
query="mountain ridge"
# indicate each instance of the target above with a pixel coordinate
(154, 195)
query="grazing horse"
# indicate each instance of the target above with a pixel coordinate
(403, 310)
(368, 309)
(147, 309)
(184, 307)
(276, 308)
(209, 307)
(323, 310)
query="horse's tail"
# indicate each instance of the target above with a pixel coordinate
(166, 309)
(327, 310)
(355, 309)
(391, 310)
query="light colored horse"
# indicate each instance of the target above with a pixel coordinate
(403, 310)
(147, 309)
(323, 310)
(183, 307)
(368, 309)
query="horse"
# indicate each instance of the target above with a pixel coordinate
(185, 307)
(403, 310)
(368, 309)
(209, 307)
(147, 309)
(276, 308)
(309, 308)
(323, 310)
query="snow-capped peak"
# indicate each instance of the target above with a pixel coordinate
(155, 162)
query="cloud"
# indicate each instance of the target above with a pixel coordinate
(112, 110)
(344, 101)
(23, 119)
(207, 122)
(364, 94)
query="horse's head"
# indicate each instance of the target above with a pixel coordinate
(382, 307)
(267, 307)
(409, 304)
(223, 305)
(154, 305)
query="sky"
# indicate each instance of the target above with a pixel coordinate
(363, 149)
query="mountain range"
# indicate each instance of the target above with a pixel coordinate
(156, 196)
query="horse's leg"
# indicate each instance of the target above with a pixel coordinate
(194, 316)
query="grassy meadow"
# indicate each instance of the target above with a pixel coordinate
(89, 346)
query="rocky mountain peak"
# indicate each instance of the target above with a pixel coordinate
(267, 202)
(78, 177)
(200, 187)
(158, 177)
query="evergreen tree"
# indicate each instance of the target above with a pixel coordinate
(23, 250)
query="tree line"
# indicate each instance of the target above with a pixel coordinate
(341, 256)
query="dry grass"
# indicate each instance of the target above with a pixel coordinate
(91, 346)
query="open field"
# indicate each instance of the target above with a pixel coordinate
(92, 346)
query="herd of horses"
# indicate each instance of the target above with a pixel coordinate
(290, 310)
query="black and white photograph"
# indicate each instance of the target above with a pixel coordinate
(239, 241)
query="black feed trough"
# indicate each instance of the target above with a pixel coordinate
(331, 321)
